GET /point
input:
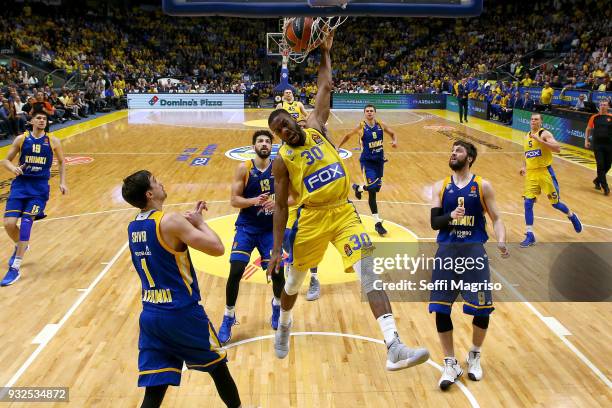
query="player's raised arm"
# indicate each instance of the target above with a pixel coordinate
(318, 117)
(193, 231)
(12, 153)
(498, 224)
(281, 211)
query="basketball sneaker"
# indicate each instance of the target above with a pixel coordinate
(314, 290)
(11, 277)
(528, 241)
(400, 356)
(12, 258)
(275, 315)
(380, 229)
(450, 373)
(474, 369)
(576, 222)
(281, 340)
(225, 331)
(597, 184)
(357, 192)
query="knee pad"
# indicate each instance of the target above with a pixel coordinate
(294, 280)
(25, 229)
(365, 271)
(443, 322)
(481, 321)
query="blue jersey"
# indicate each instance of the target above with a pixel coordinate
(37, 155)
(256, 183)
(168, 279)
(372, 142)
(472, 227)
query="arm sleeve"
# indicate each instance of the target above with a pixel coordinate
(438, 219)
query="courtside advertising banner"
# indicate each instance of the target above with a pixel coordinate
(185, 101)
(388, 101)
(570, 131)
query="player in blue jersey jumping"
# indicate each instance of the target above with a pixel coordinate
(30, 189)
(253, 193)
(372, 159)
(174, 328)
(459, 203)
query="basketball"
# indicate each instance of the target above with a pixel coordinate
(297, 33)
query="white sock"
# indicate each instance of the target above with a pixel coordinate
(530, 228)
(474, 348)
(313, 275)
(377, 218)
(387, 326)
(229, 311)
(285, 317)
(275, 301)
(16, 263)
(360, 188)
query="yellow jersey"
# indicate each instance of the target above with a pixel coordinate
(294, 110)
(537, 156)
(316, 171)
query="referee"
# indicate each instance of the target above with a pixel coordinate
(462, 97)
(600, 130)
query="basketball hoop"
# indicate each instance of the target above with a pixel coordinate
(321, 28)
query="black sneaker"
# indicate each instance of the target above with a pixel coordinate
(597, 184)
(357, 192)
(606, 190)
(380, 229)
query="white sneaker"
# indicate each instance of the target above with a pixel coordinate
(474, 368)
(281, 340)
(399, 356)
(450, 373)
(314, 290)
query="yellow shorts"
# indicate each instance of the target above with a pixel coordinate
(542, 180)
(292, 216)
(316, 228)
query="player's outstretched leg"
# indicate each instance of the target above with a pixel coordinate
(399, 356)
(570, 215)
(231, 295)
(278, 283)
(24, 232)
(529, 236)
(289, 296)
(314, 289)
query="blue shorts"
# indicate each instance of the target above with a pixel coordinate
(246, 240)
(169, 338)
(373, 173)
(33, 206)
(454, 273)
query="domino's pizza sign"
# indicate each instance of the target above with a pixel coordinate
(246, 153)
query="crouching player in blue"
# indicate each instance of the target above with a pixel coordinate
(253, 193)
(30, 189)
(174, 328)
(459, 203)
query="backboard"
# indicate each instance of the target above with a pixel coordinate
(291, 8)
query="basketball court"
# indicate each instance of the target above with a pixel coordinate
(72, 320)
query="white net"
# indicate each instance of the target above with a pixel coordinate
(321, 28)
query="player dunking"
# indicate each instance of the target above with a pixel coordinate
(458, 211)
(30, 189)
(296, 109)
(253, 193)
(372, 159)
(539, 144)
(310, 164)
(174, 328)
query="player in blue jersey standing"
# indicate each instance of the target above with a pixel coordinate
(459, 203)
(174, 328)
(253, 193)
(372, 159)
(30, 189)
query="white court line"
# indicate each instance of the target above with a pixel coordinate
(46, 339)
(468, 394)
(558, 333)
(337, 117)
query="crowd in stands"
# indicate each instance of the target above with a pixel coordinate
(143, 50)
